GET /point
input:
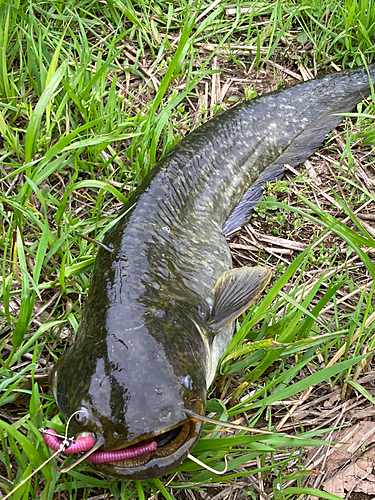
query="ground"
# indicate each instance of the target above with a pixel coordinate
(87, 108)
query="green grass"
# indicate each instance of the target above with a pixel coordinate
(92, 94)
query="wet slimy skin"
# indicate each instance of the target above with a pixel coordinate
(153, 331)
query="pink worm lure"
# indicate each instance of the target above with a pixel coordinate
(98, 457)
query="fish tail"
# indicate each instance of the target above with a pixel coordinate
(324, 103)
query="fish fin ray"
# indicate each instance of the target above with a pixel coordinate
(301, 147)
(240, 215)
(234, 292)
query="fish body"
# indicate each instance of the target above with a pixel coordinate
(161, 304)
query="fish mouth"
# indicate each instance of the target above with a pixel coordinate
(136, 455)
(169, 447)
(172, 447)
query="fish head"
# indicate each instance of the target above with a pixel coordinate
(133, 389)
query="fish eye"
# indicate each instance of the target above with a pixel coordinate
(81, 415)
(188, 383)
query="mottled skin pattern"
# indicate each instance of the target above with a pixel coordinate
(143, 329)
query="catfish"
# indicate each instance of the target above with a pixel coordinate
(164, 294)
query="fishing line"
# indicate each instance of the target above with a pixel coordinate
(69, 419)
(100, 441)
(34, 472)
(64, 446)
(197, 461)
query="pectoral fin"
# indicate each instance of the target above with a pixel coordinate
(234, 291)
